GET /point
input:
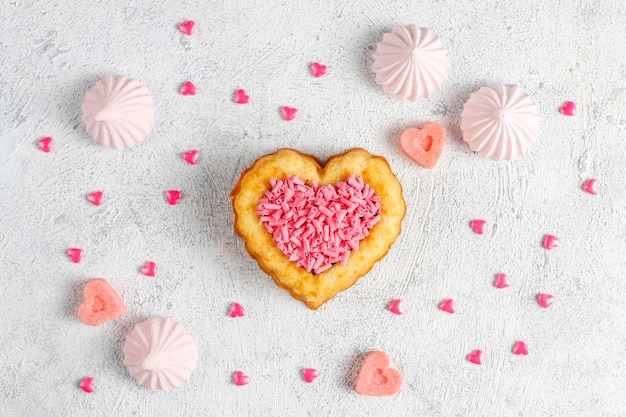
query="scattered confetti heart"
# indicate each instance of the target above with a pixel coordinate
(501, 281)
(568, 109)
(545, 300)
(45, 144)
(236, 310)
(396, 307)
(188, 89)
(590, 186)
(173, 196)
(240, 379)
(241, 97)
(551, 242)
(478, 226)
(309, 374)
(318, 70)
(188, 27)
(289, 113)
(376, 378)
(95, 198)
(149, 269)
(192, 156)
(520, 348)
(102, 303)
(75, 254)
(87, 385)
(476, 357)
(447, 306)
(424, 145)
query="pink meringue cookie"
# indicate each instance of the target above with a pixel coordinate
(500, 121)
(160, 354)
(118, 112)
(410, 62)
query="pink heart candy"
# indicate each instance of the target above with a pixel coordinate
(241, 97)
(240, 379)
(309, 374)
(476, 357)
(545, 300)
(478, 226)
(188, 27)
(501, 281)
(188, 89)
(75, 254)
(95, 198)
(447, 306)
(590, 186)
(173, 196)
(396, 307)
(551, 242)
(520, 348)
(149, 269)
(45, 144)
(568, 109)
(87, 385)
(318, 70)
(236, 310)
(289, 113)
(192, 156)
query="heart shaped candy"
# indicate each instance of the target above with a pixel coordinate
(45, 144)
(476, 357)
(568, 109)
(75, 254)
(236, 310)
(101, 303)
(590, 186)
(545, 300)
(188, 89)
(520, 348)
(376, 378)
(551, 242)
(95, 198)
(478, 226)
(192, 156)
(289, 113)
(241, 379)
(396, 307)
(501, 281)
(149, 269)
(309, 374)
(241, 97)
(447, 306)
(173, 196)
(87, 385)
(318, 70)
(424, 145)
(188, 27)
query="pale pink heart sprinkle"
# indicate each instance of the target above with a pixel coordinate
(551, 242)
(447, 306)
(188, 27)
(590, 186)
(192, 156)
(501, 281)
(289, 113)
(545, 300)
(173, 196)
(520, 348)
(241, 97)
(478, 226)
(240, 379)
(318, 70)
(568, 109)
(87, 385)
(188, 89)
(309, 374)
(149, 269)
(396, 307)
(75, 254)
(95, 198)
(45, 144)
(476, 357)
(316, 227)
(236, 310)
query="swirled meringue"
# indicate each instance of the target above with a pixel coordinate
(500, 121)
(118, 112)
(160, 354)
(410, 62)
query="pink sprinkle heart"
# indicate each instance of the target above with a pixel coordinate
(545, 300)
(95, 198)
(590, 186)
(188, 89)
(87, 385)
(289, 113)
(236, 310)
(173, 196)
(447, 306)
(318, 70)
(501, 281)
(520, 348)
(551, 242)
(149, 269)
(75, 254)
(309, 374)
(476, 357)
(396, 307)
(192, 156)
(241, 97)
(188, 27)
(478, 226)
(45, 144)
(568, 109)
(241, 379)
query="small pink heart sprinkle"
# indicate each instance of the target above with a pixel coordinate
(95, 198)
(75, 254)
(568, 109)
(520, 348)
(545, 300)
(173, 196)
(241, 379)
(501, 281)
(309, 374)
(396, 307)
(590, 186)
(476, 357)
(447, 306)
(192, 156)
(149, 269)
(87, 385)
(289, 113)
(318, 70)
(45, 144)
(188, 89)
(478, 226)
(241, 97)
(551, 242)
(188, 27)
(236, 310)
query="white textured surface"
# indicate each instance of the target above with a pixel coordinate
(52, 51)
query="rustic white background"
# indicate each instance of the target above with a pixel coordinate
(53, 51)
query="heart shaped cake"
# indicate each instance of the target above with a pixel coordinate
(316, 230)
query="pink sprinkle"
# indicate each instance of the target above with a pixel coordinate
(241, 97)
(501, 281)
(188, 89)
(149, 269)
(448, 306)
(45, 144)
(545, 300)
(236, 310)
(476, 357)
(318, 70)
(478, 226)
(309, 374)
(188, 27)
(87, 385)
(95, 198)
(75, 254)
(520, 348)
(173, 196)
(551, 242)
(590, 186)
(289, 113)
(192, 156)
(396, 307)
(240, 379)
(568, 109)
